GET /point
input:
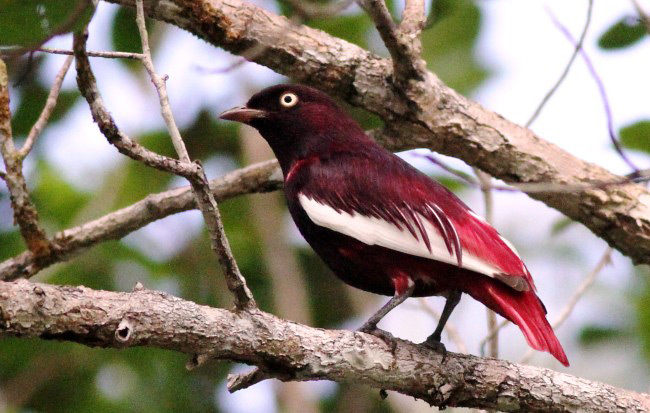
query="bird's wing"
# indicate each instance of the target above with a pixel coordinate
(388, 203)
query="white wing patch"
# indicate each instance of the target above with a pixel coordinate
(376, 231)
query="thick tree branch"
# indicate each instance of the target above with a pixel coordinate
(442, 120)
(150, 318)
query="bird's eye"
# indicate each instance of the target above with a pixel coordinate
(288, 99)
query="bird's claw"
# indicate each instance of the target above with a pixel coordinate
(437, 346)
(385, 336)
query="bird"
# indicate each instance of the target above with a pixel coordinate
(383, 226)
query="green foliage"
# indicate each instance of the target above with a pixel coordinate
(623, 33)
(448, 46)
(353, 28)
(125, 36)
(636, 136)
(592, 335)
(57, 201)
(28, 23)
(560, 225)
(642, 300)
(33, 98)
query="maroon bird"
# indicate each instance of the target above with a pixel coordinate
(383, 226)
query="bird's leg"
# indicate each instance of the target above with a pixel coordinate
(434, 340)
(370, 326)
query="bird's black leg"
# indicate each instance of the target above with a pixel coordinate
(370, 326)
(434, 340)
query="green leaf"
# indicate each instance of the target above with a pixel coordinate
(560, 225)
(448, 46)
(29, 23)
(352, 28)
(125, 35)
(636, 136)
(592, 334)
(623, 33)
(57, 200)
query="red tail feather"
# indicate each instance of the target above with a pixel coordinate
(524, 309)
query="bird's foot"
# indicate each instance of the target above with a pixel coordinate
(437, 346)
(385, 336)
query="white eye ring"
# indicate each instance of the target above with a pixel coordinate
(288, 99)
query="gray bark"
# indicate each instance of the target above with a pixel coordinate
(296, 352)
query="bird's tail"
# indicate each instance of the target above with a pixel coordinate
(526, 310)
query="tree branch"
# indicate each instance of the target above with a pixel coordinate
(443, 120)
(25, 213)
(261, 177)
(155, 319)
(44, 117)
(199, 182)
(402, 41)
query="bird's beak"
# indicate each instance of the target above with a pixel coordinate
(242, 114)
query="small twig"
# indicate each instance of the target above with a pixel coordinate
(404, 49)
(159, 83)
(486, 189)
(125, 145)
(3, 175)
(261, 177)
(543, 187)
(236, 382)
(491, 334)
(91, 53)
(576, 296)
(450, 328)
(601, 90)
(559, 81)
(199, 182)
(24, 211)
(50, 103)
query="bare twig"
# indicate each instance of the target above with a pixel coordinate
(91, 53)
(576, 296)
(125, 145)
(559, 81)
(25, 214)
(205, 200)
(93, 317)
(50, 103)
(486, 189)
(541, 187)
(601, 91)
(262, 177)
(404, 49)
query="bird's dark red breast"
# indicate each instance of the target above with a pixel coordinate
(379, 223)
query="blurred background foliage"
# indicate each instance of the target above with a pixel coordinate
(47, 376)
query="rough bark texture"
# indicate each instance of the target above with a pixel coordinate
(150, 318)
(427, 114)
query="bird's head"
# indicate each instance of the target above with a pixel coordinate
(297, 121)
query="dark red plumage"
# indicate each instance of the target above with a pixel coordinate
(380, 224)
